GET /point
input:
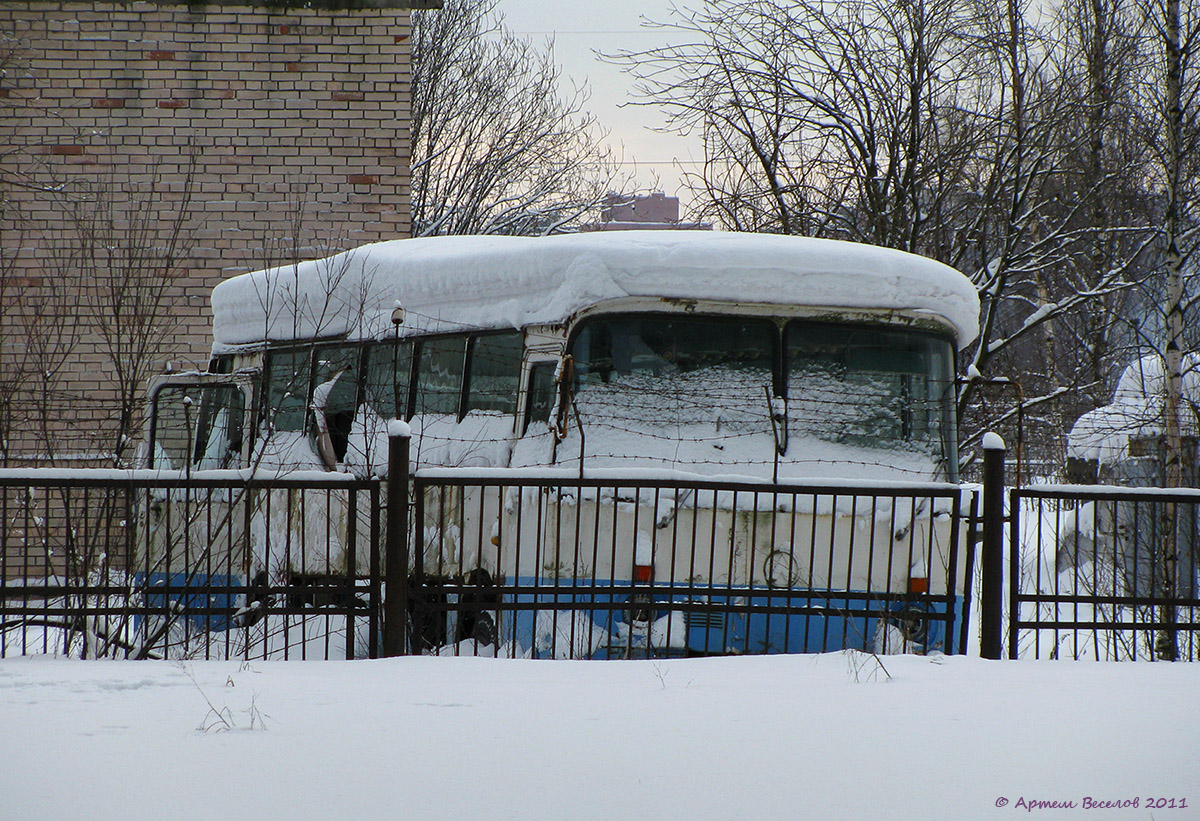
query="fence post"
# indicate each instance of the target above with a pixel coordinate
(395, 603)
(992, 554)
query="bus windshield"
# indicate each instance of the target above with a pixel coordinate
(872, 387)
(640, 370)
(849, 384)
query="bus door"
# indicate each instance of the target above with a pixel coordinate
(192, 540)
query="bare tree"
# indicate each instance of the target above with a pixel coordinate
(930, 127)
(12, 369)
(103, 282)
(15, 173)
(125, 248)
(1175, 34)
(851, 120)
(1100, 59)
(1177, 38)
(18, 161)
(497, 146)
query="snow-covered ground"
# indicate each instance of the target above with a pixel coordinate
(830, 736)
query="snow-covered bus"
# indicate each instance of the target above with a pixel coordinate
(666, 355)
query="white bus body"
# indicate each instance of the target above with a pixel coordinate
(664, 355)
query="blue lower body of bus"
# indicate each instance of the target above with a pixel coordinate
(210, 601)
(662, 622)
(674, 622)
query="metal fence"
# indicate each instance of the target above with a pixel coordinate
(554, 567)
(1104, 572)
(134, 565)
(550, 564)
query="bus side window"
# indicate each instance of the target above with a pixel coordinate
(541, 394)
(287, 389)
(389, 366)
(495, 372)
(440, 374)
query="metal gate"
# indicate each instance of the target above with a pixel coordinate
(1104, 572)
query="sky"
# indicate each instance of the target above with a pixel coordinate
(584, 27)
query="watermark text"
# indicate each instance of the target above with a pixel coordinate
(1091, 802)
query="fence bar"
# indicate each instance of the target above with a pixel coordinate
(992, 558)
(395, 604)
(373, 638)
(973, 537)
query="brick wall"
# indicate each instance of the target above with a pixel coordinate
(292, 127)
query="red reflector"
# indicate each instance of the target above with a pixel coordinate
(643, 572)
(918, 584)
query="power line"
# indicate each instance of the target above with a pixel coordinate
(658, 162)
(595, 31)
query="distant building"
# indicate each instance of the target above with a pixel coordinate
(643, 212)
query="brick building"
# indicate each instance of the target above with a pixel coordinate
(643, 212)
(149, 150)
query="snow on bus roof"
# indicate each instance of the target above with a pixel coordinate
(457, 283)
